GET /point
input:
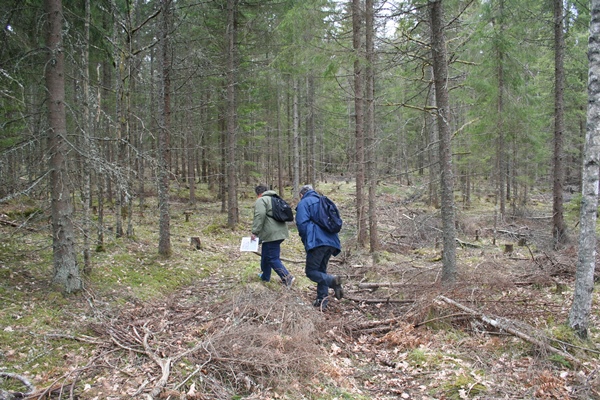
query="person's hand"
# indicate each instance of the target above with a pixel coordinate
(253, 237)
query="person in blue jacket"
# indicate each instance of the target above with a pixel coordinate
(319, 245)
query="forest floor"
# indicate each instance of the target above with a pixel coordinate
(200, 324)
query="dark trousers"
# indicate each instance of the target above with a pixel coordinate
(269, 259)
(316, 269)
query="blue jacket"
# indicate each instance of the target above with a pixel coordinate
(311, 234)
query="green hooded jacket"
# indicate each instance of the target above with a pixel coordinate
(265, 227)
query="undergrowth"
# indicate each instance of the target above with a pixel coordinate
(252, 340)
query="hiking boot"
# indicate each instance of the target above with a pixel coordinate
(337, 287)
(260, 276)
(289, 281)
(320, 303)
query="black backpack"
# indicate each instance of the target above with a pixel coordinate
(280, 209)
(328, 215)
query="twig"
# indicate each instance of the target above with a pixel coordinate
(28, 385)
(441, 318)
(371, 301)
(141, 388)
(377, 285)
(82, 338)
(163, 363)
(576, 347)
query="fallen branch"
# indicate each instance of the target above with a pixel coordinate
(82, 338)
(378, 329)
(377, 285)
(9, 223)
(503, 325)
(16, 225)
(371, 301)
(5, 395)
(511, 233)
(163, 362)
(467, 244)
(373, 324)
(441, 318)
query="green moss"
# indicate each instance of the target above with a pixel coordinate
(213, 229)
(462, 387)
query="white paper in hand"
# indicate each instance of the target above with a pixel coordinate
(248, 244)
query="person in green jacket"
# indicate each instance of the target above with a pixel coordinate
(271, 234)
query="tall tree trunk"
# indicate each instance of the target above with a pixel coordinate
(232, 201)
(311, 158)
(440, 73)
(558, 222)
(586, 260)
(190, 149)
(101, 178)
(87, 132)
(432, 137)
(371, 170)
(223, 164)
(123, 57)
(295, 139)
(501, 150)
(279, 143)
(66, 270)
(359, 123)
(164, 224)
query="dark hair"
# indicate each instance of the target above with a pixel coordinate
(260, 189)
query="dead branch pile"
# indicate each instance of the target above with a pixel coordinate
(248, 344)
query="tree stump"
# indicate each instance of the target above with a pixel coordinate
(508, 248)
(187, 215)
(195, 242)
(522, 242)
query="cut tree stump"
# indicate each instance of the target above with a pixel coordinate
(195, 241)
(187, 215)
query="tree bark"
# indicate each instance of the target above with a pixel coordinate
(371, 167)
(311, 159)
(359, 123)
(190, 151)
(164, 224)
(558, 223)
(432, 137)
(586, 263)
(501, 149)
(295, 139)
(232, 201)
(279, 143)
(87, 132)
(66, 270)
(440, 74)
